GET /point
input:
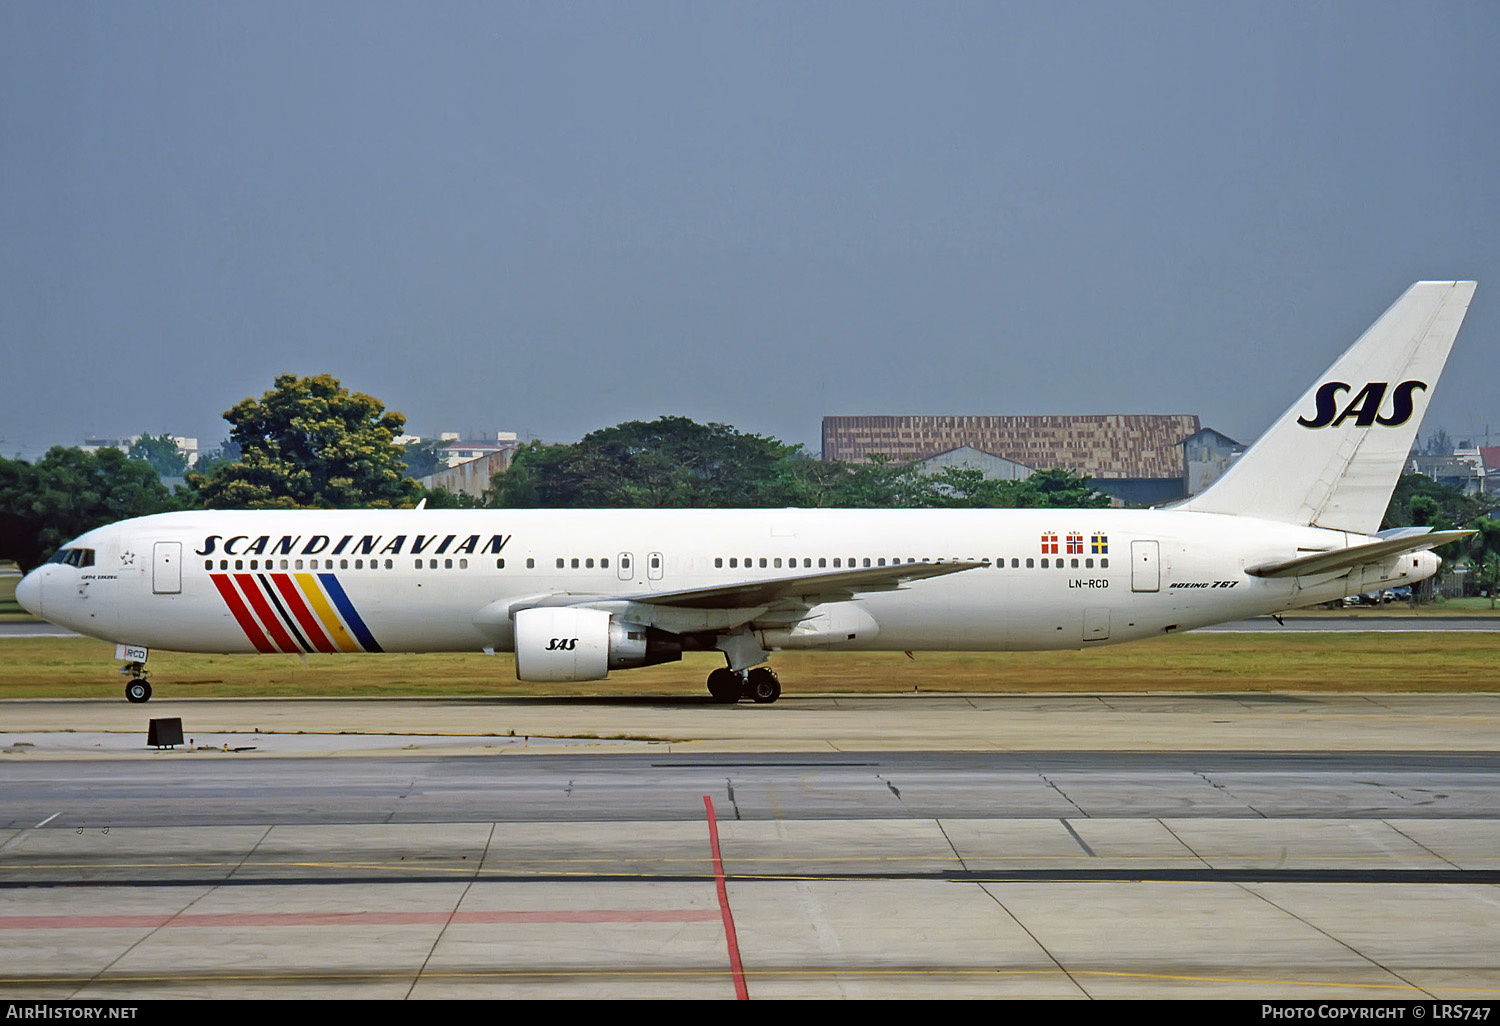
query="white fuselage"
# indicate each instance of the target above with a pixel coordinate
(442, 580)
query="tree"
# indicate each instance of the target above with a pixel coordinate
(1420, 501)
(162, 453)
(68, 492)
(227, 452)
(1484, 555)
(422, 458)
(671, 462)
(309, 443)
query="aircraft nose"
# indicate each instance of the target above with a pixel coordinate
(29, 593)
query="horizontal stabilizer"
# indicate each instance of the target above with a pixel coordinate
(1356, 555)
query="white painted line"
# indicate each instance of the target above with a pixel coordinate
(44, 822)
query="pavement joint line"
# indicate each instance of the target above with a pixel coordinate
(767, 973)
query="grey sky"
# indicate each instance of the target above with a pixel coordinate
(551, 217)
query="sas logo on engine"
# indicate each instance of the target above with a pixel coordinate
(1364, 407)
(562, 644)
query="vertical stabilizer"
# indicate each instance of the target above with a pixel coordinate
(1332, 460)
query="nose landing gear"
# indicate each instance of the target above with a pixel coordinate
(138, 689)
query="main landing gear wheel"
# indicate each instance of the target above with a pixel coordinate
(725, 685)
(762, 685)
(138, 691)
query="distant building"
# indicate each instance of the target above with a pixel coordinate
(966, 457)
(456, 450)
(471, 477)
(1463, 469)
(187, 446)
(1138, 459)
(1206, 454)
(1489, 456)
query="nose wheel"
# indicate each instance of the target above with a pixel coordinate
(139, 689)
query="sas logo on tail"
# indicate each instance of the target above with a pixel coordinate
(1364, 407)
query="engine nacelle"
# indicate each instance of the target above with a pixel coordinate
(563, 643)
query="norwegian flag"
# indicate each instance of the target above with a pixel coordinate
(1049, 544)
(1075, 544)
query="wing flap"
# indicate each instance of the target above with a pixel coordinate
(835, 586)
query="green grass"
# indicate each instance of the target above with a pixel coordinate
(8, 603)
(1329, 663)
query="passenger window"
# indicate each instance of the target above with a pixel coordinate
(867, 561)
(208, 564)
(575, 562)
(500, 564)
(1031, 562)
(733, 562)
(463, 564)
(1089, 563)
(604, 562)
(530, 563)
(239, 564)
(762, 562)
(223, 564)
(778, 562)
(432, 564)
(588, 564)
(560, 562)
(822, 562)
(1075, 562)
(359, 564)
(1104, 562)
(718, 562)
(298, 564)
(417, 564)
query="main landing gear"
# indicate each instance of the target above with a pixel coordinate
(760, 684)
(139, 689)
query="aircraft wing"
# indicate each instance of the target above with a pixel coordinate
(1356, 555)
(811, 588)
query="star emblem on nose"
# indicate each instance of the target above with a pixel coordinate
(127, 559)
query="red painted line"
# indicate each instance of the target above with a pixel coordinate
(740, 992)
(267, 615)
(241, 614)
(310, 627)
(241, 919)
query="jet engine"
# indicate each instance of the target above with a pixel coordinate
(558, 643)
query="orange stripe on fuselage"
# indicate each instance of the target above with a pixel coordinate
(309, 585)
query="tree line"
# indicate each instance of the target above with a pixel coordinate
(309, 443)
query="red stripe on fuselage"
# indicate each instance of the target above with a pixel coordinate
(241, 614)
(267, 615)
(310, 627)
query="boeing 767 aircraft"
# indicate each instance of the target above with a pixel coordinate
(578, 593)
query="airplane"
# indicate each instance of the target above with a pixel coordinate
(576, 594)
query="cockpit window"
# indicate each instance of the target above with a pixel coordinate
(73, 557)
